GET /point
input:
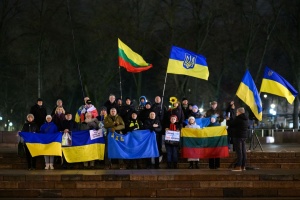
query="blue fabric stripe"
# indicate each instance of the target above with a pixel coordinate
(247, 80)
(41, 138)
(271, 75)
(178, 53)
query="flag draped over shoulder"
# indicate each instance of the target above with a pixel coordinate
(185, 62)
(133, 145)
(40, 144)
(209, 142)
(130, 60)
(202, 122)
(86, 146)
(275, 84)
(248, 93)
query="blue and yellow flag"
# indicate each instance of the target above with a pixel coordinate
(185, 62)
(43, 144)
(202, 122)
(275, 84)
(86, 146)
(133, 145)
(248, 93)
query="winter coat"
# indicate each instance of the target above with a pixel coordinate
(39, 113)
(239, 126)
(49, 128)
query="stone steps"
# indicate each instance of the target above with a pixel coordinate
(161, 183)
(268, 160)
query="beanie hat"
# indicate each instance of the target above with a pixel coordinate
(174, 117)
(195, 107)
(191, 117)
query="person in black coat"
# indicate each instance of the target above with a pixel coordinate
(230, 113)
(153, 124)
(30, 126)
(239, 127)
(39, 112)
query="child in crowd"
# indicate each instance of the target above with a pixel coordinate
(171, 145)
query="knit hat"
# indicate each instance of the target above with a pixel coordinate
(213, 102)
(183, 99)
(48, 116)
(191, 117)
(195, 107)
(174, 117)
(103, 108)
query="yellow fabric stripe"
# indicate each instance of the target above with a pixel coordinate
(136, 58)
(276, 88)
(205, 132)
(246, 95)
(52, 149)
(176, 67)
(84, 153)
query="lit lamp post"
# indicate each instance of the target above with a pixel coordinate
(10, 126)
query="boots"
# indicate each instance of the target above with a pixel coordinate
(196, 164)
(191, 165)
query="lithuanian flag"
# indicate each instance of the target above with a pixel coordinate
(209, 142)
(130, 60)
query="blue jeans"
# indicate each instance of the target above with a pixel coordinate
(240, 149)
(172, 153)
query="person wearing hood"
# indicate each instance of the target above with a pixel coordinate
(239, 127)
(142, 104)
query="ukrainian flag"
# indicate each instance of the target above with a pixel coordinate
(209, 142)
(84, 147)
(275, 84)
(41, 144)
(248, 93)
(185, 62)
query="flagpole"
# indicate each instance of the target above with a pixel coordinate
(120, 82)
(162, 98)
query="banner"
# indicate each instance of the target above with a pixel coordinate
(209, 142)
(86, 146)
(133, 145)
(43, 144)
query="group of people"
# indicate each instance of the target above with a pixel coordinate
(123, 118)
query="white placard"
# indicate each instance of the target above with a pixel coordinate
(94, 134)
(172, 135)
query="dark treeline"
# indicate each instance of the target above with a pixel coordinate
(37, 56)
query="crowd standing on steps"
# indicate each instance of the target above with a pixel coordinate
(120, 116)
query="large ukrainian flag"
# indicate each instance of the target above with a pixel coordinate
(41, 144)
(209, 142)
(248, 93)
(185, 62)
(275, 84)
(84, 147)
